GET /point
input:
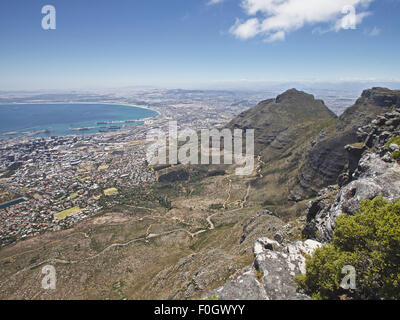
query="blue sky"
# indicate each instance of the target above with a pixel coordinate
(179, 43)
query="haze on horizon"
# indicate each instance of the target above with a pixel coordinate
(204, 44)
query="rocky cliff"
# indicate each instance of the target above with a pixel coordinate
(327, 158)
(372, 172)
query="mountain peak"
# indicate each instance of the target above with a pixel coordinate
(294, 94)
(381, 97)
(371, 103)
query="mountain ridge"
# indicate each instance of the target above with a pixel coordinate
(282, 122)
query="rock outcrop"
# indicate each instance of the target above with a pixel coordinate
(371, 173)
(272, 275)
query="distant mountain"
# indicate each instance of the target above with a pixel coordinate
(277, 122)
(371, 103)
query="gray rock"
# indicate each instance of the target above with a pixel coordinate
(394, 147)
(278, 237)
(317, 209)
(271, 277)
(393, 122)
(375, 177)
(391, 115)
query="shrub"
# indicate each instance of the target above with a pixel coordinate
(165, 203)
(395, 140)
(370, 242)
(396, 156)
(216, 206)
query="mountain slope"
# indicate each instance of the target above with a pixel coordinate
(278, 121)
(301, 142)
(285, 128)
(194, 229)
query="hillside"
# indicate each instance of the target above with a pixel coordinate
(279, 122)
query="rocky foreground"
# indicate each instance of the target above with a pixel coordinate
(271, 276)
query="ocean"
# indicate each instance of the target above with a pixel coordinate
(41, 120)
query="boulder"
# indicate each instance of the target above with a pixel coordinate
(374, 177)
(272, 275)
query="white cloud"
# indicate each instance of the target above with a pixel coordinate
(274, 19)
(279, 35)
(212, 2)
(246, 30)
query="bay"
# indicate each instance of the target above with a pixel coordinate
(65, 119)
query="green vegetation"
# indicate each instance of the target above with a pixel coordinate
(73, 196)
(396, 156)
(12, 169)
(394, 140)
(165, 203)
(216, 206)
(69, 212)
(260, 276)
(370, 242)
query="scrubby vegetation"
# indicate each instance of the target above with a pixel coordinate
(216, 206)
(396, 156)
(394, 140)
(370, 242)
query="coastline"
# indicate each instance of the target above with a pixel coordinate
(103, 103)
(12, 134)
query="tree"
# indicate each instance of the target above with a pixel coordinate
(370, 242)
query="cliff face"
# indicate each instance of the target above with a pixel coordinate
(375, 174)
(285, 129)
(371, 103)
(323, 165)
(327, 159)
